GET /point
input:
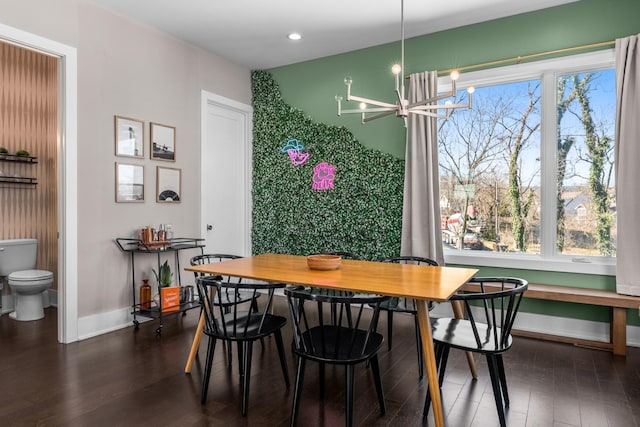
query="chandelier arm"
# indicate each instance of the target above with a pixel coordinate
(377, 116)
(431, 100)
(425, 113)
(439, 107)
(368, 110)
(371, 101)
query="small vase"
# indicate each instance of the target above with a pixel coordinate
(145, 295)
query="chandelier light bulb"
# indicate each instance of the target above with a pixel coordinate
(471, 89)
(363, 106)
(455, 75)
(448, 102)
(338, 98)
(396, 69)
(348, 80)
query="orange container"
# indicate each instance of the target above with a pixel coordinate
(170, 299)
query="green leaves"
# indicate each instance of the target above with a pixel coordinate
(165, 277)
(361, 214)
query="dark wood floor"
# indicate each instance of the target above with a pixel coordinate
(129, 378)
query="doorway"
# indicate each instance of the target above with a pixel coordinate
(226, 175)
(66, 174)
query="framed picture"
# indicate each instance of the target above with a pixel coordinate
(129, 182)
(169, 185)
(129, 134)
(163, 142)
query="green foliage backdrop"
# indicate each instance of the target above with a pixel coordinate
(361, 214)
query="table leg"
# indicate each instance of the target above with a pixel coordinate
(195, 344)
(458, 313)
(430, 361)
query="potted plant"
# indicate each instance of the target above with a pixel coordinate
(169, 295)
(3, 152)
(22, 153)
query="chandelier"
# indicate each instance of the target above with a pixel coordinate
(427, 107)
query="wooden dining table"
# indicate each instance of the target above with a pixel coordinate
(423, 283)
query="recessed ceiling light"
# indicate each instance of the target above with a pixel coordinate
(294, 36)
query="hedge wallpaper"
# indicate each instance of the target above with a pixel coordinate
(362, 213)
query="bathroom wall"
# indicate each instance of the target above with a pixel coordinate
(29, 120)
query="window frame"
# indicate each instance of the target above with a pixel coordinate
(547, 71)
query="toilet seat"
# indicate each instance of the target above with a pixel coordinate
(30, 276)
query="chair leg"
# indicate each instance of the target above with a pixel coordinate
(321, 379)
(375, 368)
(419, 348)
(207, 370)
(240, 359)
(442, 365)
(229, 355)
(495, 383)
(349, 379)
(298, 390)
(503, 380)
(247, 376)
(389, 328)
(283, 359)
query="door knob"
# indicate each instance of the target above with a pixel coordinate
(209, 227)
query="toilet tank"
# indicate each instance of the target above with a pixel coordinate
(17, 254)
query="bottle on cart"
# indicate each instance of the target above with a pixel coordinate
(145, 294)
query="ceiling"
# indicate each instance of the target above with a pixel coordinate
(253, 33)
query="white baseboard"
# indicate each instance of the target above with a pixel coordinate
(102, 323)
(561, 326)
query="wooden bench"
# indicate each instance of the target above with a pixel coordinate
(619, 304)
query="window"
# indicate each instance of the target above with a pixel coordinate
(527, 175)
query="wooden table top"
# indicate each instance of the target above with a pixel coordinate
(405, 280)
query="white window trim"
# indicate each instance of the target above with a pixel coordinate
(547, 71)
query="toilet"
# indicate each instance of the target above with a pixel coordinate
(28, 285)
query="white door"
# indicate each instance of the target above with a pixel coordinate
(226, 175)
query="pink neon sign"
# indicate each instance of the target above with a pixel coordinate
(323, 176)
(294, 148)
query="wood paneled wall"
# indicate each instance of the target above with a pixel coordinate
(29, 121)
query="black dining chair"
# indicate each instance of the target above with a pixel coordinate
(239, 324)
(341, 254)
(346, 339)
(231, 296)
(486, 329)
(406, 305)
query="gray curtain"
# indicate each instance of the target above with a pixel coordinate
(627, 158)
(421, 232)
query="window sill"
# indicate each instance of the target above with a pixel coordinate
(565, 264)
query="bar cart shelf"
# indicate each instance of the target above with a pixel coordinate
(137, 246)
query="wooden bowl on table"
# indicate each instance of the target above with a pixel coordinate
(323, 262)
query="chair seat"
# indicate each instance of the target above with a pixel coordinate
(458, 333)
(248, 326)
(339, 345)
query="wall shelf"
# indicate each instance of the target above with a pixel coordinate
(14, 179)
(15, 158)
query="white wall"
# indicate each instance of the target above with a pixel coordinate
(129, 69)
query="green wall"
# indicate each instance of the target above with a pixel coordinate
(311, 86)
